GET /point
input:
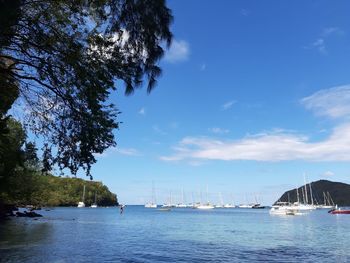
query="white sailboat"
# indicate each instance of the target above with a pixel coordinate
(221, 204)
(153, 203)
(206, 205)
(82, 204)
(183, 203)
(94, 205)
(327, 202)
(169, 204)
(230, 205)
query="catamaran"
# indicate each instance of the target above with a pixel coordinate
(284, 208)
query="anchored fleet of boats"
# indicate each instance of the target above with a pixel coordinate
(304, 203)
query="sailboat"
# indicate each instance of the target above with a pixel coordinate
(170, 203)
(94, 205)
(153, 203)
(327, 202)
(182, 204)
(207, 205)
(82, 204)
(221, 205)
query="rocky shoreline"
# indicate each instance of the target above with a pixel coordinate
(7, 211)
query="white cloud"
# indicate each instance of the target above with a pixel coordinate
(158, 130)
(227, 105)
(244, 12)
(142, 111)
(179, 51)
(218, 130)
(128, 151)
(328, 174)
(118, 150)
(320, 42)
(279, 144)
(266, 147)
(203, 67)
(320, 45)
(333, 102)
(331, 30)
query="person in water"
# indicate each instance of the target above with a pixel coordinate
(121, 209)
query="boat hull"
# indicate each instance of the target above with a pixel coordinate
(341, 212)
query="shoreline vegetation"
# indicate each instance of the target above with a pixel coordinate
(38, 190)
(24, 180)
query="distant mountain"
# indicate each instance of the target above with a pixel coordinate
(340, 192)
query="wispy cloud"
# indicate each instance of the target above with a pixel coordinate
(328, 174)
(218, 130)
(333, 102)
(331, 30)
(320, 42)
(117, 150)
(174, 125)
(244, 12)
(203, 67)
(158, 130)
(228, 105)
(266, 147)
(128, 151)
(320, 45)
(280, 144)
(178, 52)
(142, 111)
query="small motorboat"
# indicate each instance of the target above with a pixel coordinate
(339, 211)
(164, 209)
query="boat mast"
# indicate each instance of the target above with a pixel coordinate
(306, 198)
(153, 194)
(298, 200)
(84, 194)
(207, 195)
(312, 199)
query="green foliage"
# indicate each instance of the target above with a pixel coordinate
(66, 57)
(28, 187)
(11, 153)
(22, 182)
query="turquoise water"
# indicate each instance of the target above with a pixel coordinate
(182, 235)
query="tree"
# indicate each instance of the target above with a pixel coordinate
(66, 57)
(11, 154)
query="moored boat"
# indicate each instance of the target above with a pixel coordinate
(205, 206)
(82, 204)
(339, 211)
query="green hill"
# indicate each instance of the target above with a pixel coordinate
(48, 190)
(340, 192)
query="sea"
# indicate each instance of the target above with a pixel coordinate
(180, 235)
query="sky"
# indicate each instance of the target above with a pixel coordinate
(254, 94)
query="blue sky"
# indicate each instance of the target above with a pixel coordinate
(253, 95)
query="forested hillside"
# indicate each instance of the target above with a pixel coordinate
(48, 190)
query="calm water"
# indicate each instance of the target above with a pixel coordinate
(182, 235)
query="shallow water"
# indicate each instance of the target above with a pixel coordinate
(181, 235)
